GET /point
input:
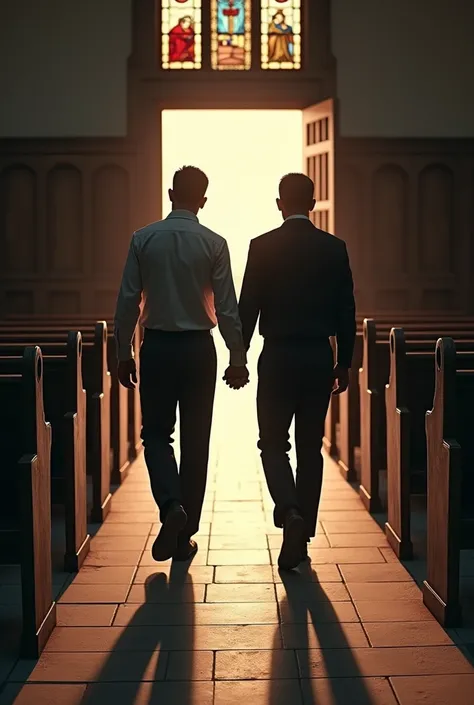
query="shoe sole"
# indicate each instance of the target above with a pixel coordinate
(167, 540)
(290, 554)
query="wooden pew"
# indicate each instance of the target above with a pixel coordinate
(373, 376)
(408, 396)
(120, 403)
(450, 509)
(25, 506)
(343, 422)
(65, 409)
(97, 384)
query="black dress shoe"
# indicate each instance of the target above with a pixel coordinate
(304, 552)
(185, 550)
(166, 541)
(293, 538)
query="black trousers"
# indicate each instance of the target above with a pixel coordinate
(178, 369)
(295, 381)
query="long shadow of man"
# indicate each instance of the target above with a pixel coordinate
(154, 648)
(326, 663)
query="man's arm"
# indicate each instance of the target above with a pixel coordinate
(227, 310)
(128, 305)
(249, 305)
(346, 327)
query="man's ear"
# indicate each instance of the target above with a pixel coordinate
(279, 204)
(171, 195)
(203, 202)
(313, 206)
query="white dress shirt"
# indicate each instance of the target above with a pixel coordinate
(180, 273)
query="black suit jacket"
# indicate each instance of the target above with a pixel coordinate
(298, 279)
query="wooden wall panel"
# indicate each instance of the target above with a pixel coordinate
(110, 218)
(59, 302)
(437, 237)
(17, 301)
(65, 219)
(19, 220)
(390, 218)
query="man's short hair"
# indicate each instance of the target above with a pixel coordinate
(297, 191)
(190, 184)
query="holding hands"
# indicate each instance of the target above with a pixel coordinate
(236, 377)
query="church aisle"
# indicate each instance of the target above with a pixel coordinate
(350, 629)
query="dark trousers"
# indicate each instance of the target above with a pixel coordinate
(178, 369)
(295, 381)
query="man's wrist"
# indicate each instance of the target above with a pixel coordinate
(238, 358)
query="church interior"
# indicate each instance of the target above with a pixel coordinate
(101, 102)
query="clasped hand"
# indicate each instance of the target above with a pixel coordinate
(236, 377)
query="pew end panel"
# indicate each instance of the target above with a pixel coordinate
(134, 407)
(119, 411)
(397, 526)
(349, 419)
(34, 470)
(330, 440)
(78, 540)
(441, 587)
(371, 408)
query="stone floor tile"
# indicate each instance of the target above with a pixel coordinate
(178, 572)
(85, 615)
(386, 611)
(238, 506)
(147, 559)
(406, 634)
(310, 593)
(360, 540)
(348, 691)
(338, 505)
(119, 530)
(408, 661)
(112, 558)
(393, 592)
(200, 613)
(434, 689)
(256, 665)
(388, 555)
(91, 594)
(349, 515)
(18, 694)
(201, 539)
(244, 574)
(245, 592)
(190, 666)
(317, 612)
(270, 692)
(324, 635)
(160, 591)
(359, 526)
(246, 557)
(307, 573)
(340, 555)
(91, 575)
(90, 666)
(113, 543)
(121, 517)
(225, 543)
(375, 573)
(179, 693)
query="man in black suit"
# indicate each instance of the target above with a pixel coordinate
(298, 279)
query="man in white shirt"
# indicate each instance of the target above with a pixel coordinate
(181, 273)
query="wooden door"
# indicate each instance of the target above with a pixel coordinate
(318, 155)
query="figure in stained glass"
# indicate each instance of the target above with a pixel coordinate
(231, 34)
(181, 40)
(280, 39)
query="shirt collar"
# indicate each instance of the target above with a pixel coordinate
(189, 215)
(297, 217)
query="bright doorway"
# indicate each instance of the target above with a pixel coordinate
(244, 153)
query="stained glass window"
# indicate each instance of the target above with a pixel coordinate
(181, 37)
(231, 34)
(281, 34)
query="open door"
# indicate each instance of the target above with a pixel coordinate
(318, 154)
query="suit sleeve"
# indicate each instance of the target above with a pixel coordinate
(249, 304)
(346, 315)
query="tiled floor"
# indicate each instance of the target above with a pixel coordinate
(350, 629)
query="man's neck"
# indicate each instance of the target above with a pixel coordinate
(185, 207)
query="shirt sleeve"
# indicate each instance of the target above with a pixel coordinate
(346, 329)
(128, 305)
(249, 304)
(227, 310)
